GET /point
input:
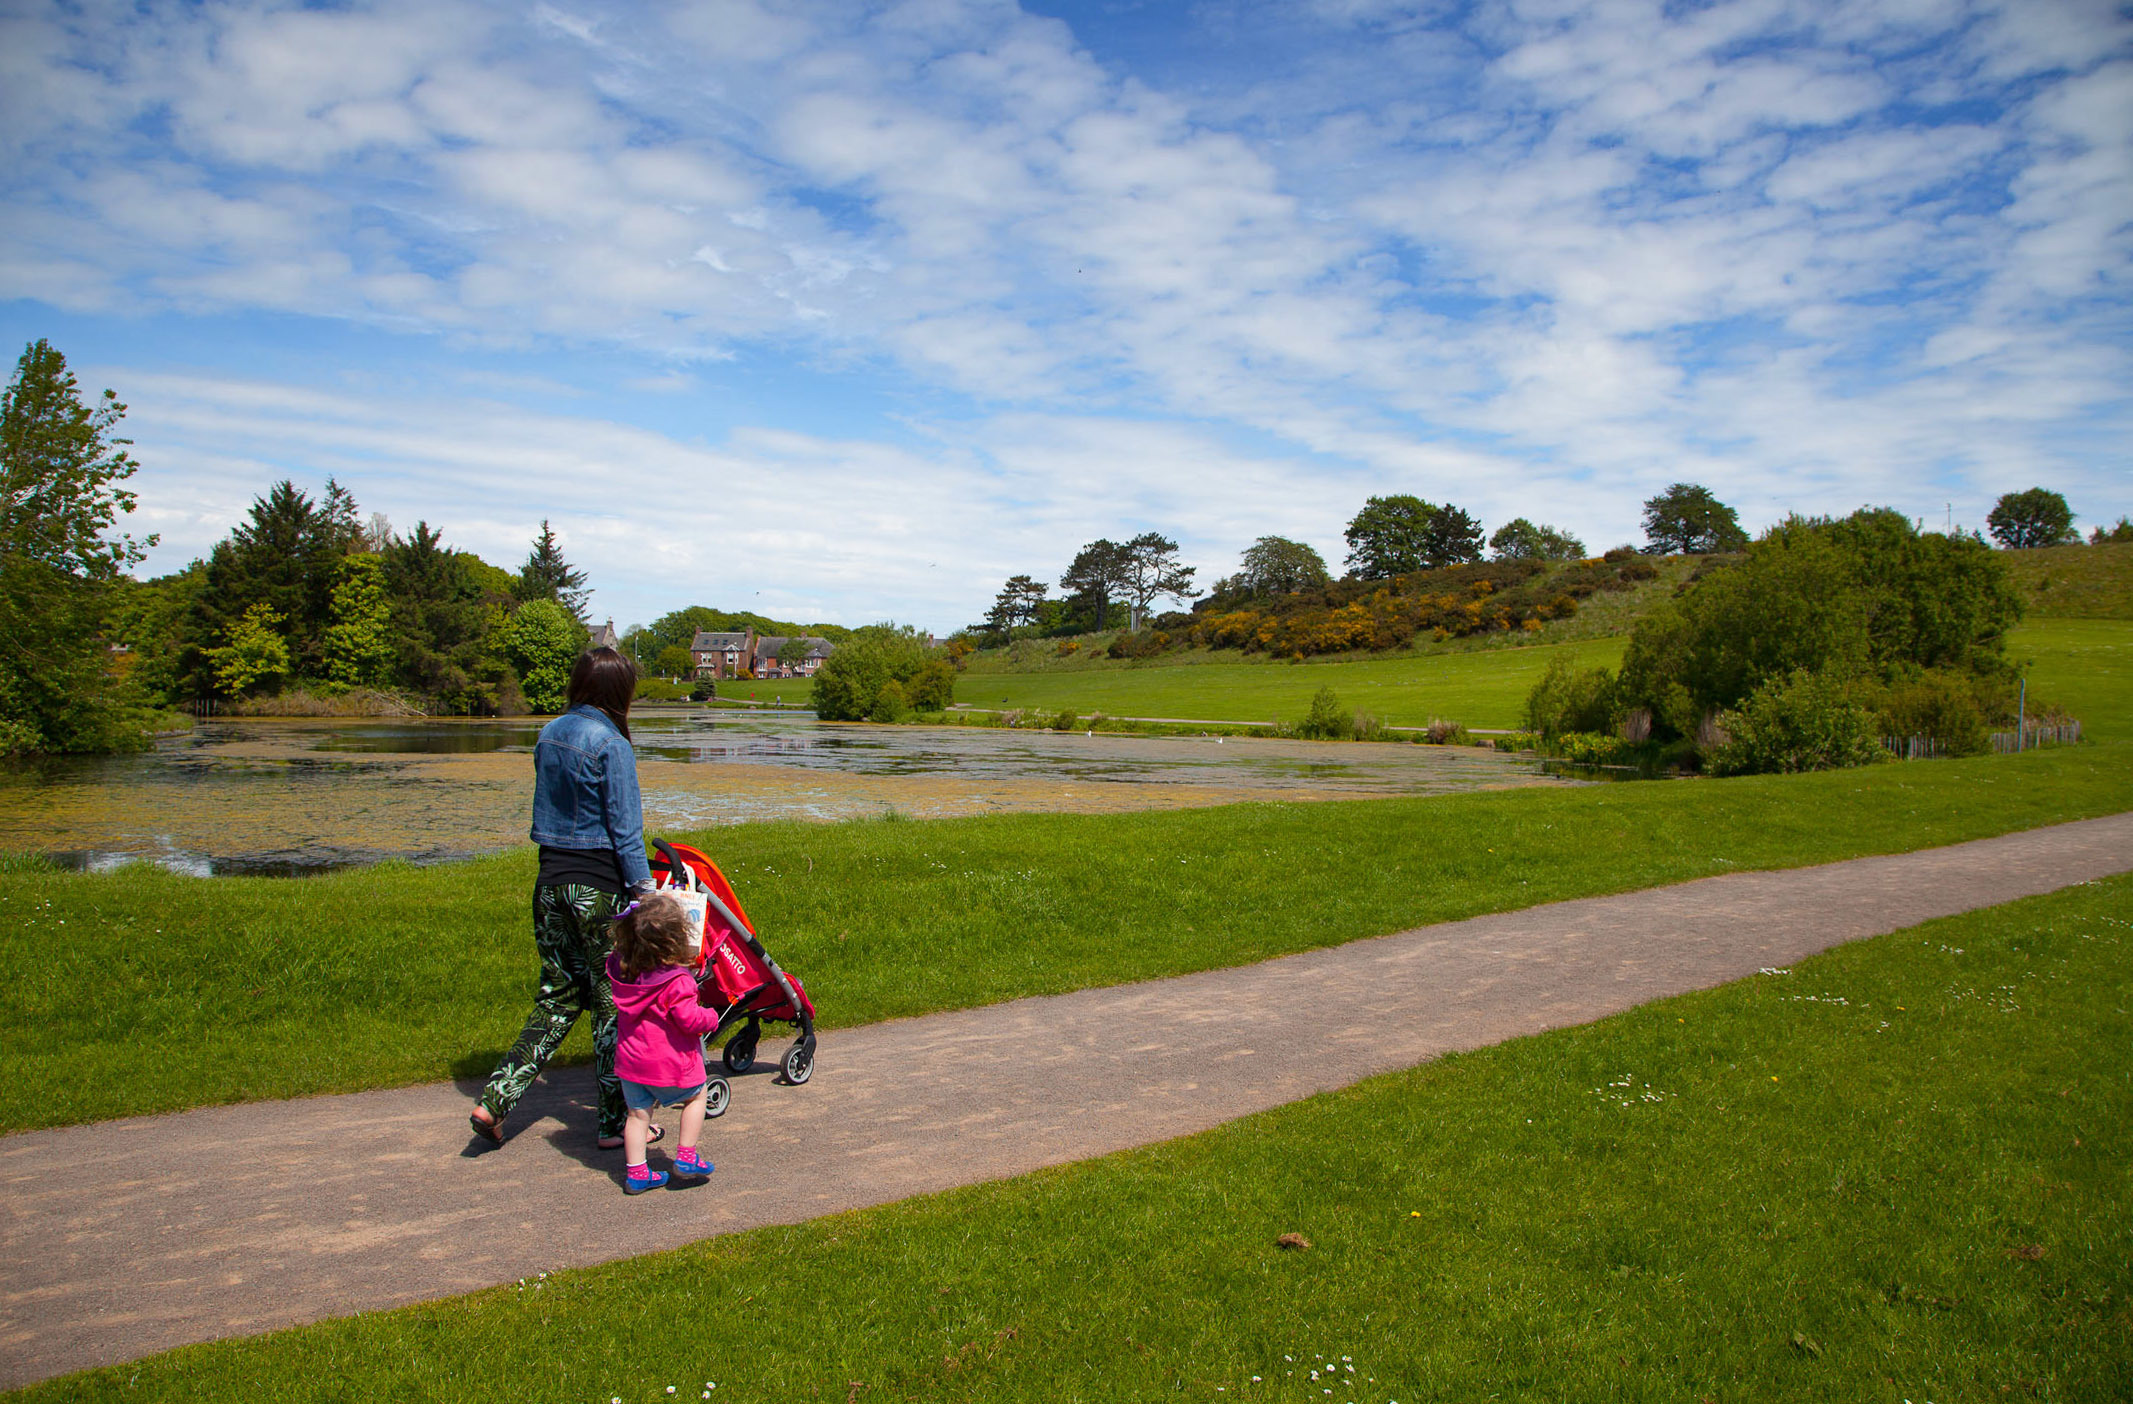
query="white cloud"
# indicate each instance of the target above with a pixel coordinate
(1559, 251)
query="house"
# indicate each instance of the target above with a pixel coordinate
(722, 655)
(605, 636)
(769, 647)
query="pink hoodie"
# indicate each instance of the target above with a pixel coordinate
(661, 1026)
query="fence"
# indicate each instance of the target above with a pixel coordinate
(2029, 736)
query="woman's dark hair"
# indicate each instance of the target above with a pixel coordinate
(606, 679)
(653, 935)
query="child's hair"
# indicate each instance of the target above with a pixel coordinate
(652, 933)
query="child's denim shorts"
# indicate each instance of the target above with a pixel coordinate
(642, 1098)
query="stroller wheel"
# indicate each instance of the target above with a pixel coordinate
(799, 1063)
(717, 1094)
(740, 1052)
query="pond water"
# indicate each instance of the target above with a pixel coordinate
(293, 796)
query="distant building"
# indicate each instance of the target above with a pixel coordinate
(768, 647)
(605, 636)
(721, 655)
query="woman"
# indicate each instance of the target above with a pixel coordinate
(590, 825)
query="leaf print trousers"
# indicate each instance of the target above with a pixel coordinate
(570, 929)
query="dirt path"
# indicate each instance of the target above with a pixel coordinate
(132, 1237)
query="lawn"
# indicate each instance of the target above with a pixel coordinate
(1479, 689)
(1894, 1172)
(2075, 582)
(145, 988)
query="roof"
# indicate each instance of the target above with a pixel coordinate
(767, 646)
(604, 636)
(710, 643)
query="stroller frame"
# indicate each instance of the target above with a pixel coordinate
(779, 999)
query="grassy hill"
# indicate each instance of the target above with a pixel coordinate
(2075, 582)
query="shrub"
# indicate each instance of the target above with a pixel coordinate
(656, 690)
(932, 687)
(1945, 707)
(1445, 733)
(1801, 721)
(890, 704)
(1327, 719)
(1065, 721)
(1566, 700)
(1591, 748)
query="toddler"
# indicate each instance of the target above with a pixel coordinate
(660, 1057)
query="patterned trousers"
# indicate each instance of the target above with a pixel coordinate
(570, 929)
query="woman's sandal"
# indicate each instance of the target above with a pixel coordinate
(651, 1138)
(490, 1131)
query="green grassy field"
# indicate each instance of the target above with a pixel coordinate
(1894, 1173)
(2083, 665)
(149, 991)
(1479, 689)
(2075, 582)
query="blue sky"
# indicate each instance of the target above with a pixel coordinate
(848, 311)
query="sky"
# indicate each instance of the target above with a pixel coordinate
(847, 311)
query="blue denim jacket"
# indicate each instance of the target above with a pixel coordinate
(585, 790)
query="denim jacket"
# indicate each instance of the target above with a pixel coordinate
(585, 790)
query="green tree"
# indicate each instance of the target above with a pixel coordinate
(1100, 573)
(286, 555)
(2023, 521)
(674, 661)
(447, 605)
(1016, 604)
(1152, 572)
(1866, 596)
(1520, 540)
(253, 655)
(359, 642)
(1688, 519)
(793, 652)
(543, 640)
(60, 471)
(547, 576)
(2122, 532)
(1452, 538)
(1389, 537)
(854, 682)
(1275, 565)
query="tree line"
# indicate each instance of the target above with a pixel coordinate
(304, 593)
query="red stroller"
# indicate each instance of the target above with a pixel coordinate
(736, 976)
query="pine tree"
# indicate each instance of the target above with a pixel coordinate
(60, 467)
(547, 576)
(359, 643)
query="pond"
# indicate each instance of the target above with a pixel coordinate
(293, 796)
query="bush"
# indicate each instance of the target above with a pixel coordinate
(1065, 721)
(1945, 707)
(890, 704)
(660, 690)
(1801, 721)
(932, 687)
(1327, 720)
(1566, 700)
(849, 685)
(1446, 733)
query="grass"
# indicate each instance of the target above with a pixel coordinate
(1481, 689)
(1896, 1172)
(2083, 665)
(2075, 582)
(149, 991)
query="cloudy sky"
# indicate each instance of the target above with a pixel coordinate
(847, 311)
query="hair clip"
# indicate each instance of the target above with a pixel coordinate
(630, 908)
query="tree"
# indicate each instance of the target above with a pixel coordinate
(1275, 565)
(2023, 521)
(1016, 604)
(543, 640)
(444, 613)
(1101, 571)
(1453, 537)
(1864, 597)
(286, 555)
(253, 655)
(60, 470)
(547, 576)
(359, 642)
(1687, 519)
(793, 652)
(2122, 532)
(865, 676)
(674, 661)
(1152, 572)
(1520, 540)
(1389, 537)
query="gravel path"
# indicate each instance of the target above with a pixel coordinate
(236, 1220)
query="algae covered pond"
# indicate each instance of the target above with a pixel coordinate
(289, 796)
